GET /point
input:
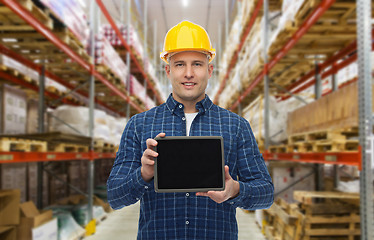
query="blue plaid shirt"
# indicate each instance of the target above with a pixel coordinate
(184, 215)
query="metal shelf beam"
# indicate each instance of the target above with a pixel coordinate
(22, 157)
(346, 158)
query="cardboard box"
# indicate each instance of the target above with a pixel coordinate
(287, 174)
(47, 231)
(8, 233)
(31, 218)
(13, 110)
(9, 207)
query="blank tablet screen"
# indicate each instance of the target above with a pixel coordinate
(189, 164)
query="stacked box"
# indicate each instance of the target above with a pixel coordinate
(13, 110)
(13, 176)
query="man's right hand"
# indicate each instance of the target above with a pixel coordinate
(147, 169)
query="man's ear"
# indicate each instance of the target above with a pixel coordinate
(167, 70)
(210, 70)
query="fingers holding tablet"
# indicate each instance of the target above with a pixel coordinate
(147, 169)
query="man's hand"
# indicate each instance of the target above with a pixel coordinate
(231, 190)
(147, 169)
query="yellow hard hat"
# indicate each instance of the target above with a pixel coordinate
(187, 36)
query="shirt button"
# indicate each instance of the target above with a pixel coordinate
(231, 203)
(187, 194)
(183, 118)
(137, 199)
(180, 106)
(146, 187)
(187, 222)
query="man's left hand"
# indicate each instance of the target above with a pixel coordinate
(232, 189)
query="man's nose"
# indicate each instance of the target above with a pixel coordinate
(189, 72)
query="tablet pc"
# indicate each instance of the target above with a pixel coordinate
(189, 164)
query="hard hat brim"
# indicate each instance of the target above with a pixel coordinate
(211, 53)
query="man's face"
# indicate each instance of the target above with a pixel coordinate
(189, 73)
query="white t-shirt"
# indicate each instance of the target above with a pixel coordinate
(189, 118)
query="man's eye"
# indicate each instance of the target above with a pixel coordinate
(198, 64)
(179, 65)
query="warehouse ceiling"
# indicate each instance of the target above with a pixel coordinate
(166, 13)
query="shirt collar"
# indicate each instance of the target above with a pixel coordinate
(203, 106)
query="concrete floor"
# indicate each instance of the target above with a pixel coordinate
(123, 224)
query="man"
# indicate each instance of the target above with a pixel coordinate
(189, 111)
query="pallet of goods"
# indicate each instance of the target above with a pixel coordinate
(109, 63)
(70, 26)
(329, 124)
(72, 14)
(139, 94)
(106, 127)
(334, 111)
(133, 42)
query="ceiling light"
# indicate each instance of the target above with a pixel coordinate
(185, 3)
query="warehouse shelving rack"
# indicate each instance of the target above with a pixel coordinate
(127, 47)
(17, 8)
(357, 50)
(350, 51)
(89, 69)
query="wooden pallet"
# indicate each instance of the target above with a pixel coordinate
(38, 13)
(309, 197)
(324, 141)
(67, 147)
(10, 144)
(279, 148)
(72, 41)
(317, 136)
(332, 217)
(285, 223)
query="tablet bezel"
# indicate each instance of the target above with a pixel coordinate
(170, 138)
